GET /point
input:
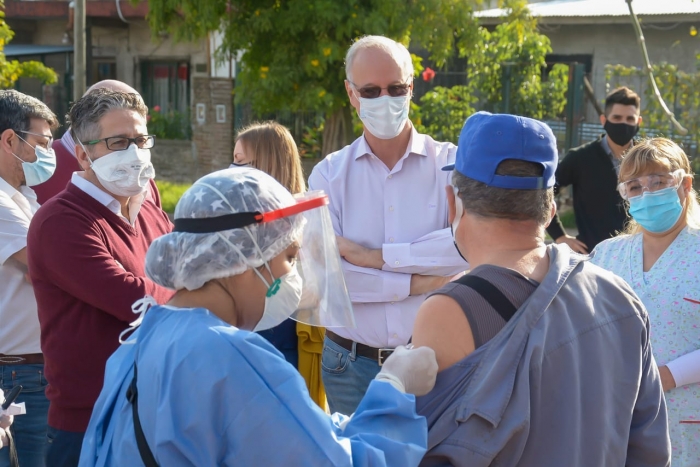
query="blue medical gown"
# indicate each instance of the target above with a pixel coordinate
(211, 394)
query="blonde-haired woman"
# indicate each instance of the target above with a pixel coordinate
(659, 256)
(270, 147)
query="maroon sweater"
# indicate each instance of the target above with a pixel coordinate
(87, 269)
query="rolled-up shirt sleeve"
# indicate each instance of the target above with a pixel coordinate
(685, 369)
(433, 254)
(368, 285)
(14, 226)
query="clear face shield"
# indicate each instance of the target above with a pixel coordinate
(324, 298)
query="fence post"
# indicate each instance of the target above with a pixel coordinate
(574, 105)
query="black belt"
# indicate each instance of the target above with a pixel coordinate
(362, 350)
(26, 359)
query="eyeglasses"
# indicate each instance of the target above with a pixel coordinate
(651, 183)
(372, 92)
(50, 138)
(122, 143)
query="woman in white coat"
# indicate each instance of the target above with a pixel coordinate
(659, 256)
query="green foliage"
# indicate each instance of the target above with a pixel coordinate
(170, 194)
(169, 125)
(293, 50)
(679, 89)
(12, 70)
(504, 74)
(443, 112)
(310, 145)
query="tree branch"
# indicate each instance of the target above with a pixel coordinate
(650, 74)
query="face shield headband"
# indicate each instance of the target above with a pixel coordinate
(325, 300)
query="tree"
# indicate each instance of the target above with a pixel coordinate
(504, 71)
(293, 50)
(12, 70)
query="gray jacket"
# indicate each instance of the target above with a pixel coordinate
(570, 381)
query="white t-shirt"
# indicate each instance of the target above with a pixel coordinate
(19, 323)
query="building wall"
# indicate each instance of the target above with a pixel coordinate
(617, 44)
(212, 130)
(175, 161)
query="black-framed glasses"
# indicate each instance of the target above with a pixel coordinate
(122, 143)
(372, 92)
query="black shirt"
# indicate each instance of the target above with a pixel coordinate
(598, 207)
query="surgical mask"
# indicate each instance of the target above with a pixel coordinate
(459, 212)
(620, 133)
(282, 299)
(124, 173)
(384, 116)
(657, 211)
(37, 172)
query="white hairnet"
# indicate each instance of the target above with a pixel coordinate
(188, 260)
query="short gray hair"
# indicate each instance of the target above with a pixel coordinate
(17, 110)
(397, 50)
(501, 203)
(85, 114)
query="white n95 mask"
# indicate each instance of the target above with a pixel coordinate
(124, 173)
(384, 116)
(282, 299)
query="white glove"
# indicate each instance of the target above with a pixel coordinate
(411, 371)
(5, 422)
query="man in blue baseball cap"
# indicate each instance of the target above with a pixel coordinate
(544, 358)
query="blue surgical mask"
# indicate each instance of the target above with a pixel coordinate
(37, 172)
(657, 211)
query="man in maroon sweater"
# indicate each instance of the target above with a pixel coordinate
(66, 162)
(86, 259)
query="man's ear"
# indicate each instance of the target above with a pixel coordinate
(6, 138)
(451, 209)
(82, 157)
(603, 119)
(639, 122)
(351, 96)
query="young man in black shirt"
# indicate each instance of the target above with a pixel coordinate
(592, 171)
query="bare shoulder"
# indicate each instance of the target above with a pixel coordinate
(442, 326)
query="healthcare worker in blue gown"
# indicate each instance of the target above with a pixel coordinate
(192, 386)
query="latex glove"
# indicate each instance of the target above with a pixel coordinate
(5, 422)
(412, 371)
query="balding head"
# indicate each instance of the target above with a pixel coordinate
(112, 85)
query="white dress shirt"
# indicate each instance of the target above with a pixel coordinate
(19, 323)
(404, 212)
(108, 200)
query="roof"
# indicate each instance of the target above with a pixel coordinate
(24, 50)
(609, 11)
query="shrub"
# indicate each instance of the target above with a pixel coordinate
(169, 125)
(170, 194)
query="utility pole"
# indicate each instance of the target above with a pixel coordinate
(79, 74)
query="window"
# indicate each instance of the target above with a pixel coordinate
(166, 84)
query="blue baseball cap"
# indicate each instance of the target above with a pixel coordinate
(489, 139)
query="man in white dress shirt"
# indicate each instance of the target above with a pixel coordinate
(26, 159)
(389, 210)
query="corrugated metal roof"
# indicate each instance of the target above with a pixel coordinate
(19, 50)
(601, 8)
